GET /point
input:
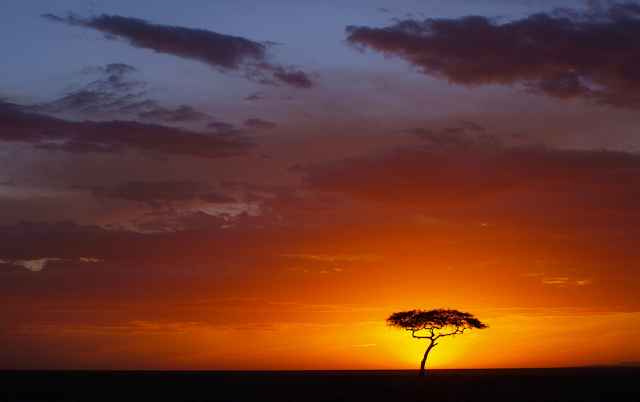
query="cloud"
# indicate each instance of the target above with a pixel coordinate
(356, 231)
(224, 52)
(50, 241)
(114, 136)
(342, 257)
(258, 124)
(255, 96)
(216, 198)
(149, 109)
(221, 126)
(564, 282)
(114, 89)
(115, 92)
(67, 244)
(456, 136)
(180, 114)
(167, 190)
(193, 240)
(6, 267)
(564, 54)
(291, 77)
(467, 172)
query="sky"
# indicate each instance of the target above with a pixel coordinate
(258, 185)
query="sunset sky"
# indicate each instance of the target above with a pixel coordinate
(258, 185)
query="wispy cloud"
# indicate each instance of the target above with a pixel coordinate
(224, 52)
(564, 282)
(115, 88)
(167, 190)
(342, 257)
(116, 136)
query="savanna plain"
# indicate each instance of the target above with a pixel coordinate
(557, 384)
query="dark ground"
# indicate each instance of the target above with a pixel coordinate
(573, 384)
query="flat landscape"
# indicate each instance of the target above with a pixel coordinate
(561, 384)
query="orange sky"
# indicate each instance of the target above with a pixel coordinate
(165, 204)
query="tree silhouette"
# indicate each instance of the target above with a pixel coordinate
(437, 323)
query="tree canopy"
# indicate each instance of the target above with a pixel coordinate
(435, 320)
(437, 323)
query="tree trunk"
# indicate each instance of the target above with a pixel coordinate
(424, 359)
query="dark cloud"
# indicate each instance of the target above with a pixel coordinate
(294, 78)
(151, 110)
(70, 242)
(261, 96)
(169, 241)
(224, 52)
(370, 204)
(564, 54)
(12, 267)
(220, 126)
(47, 237)
(228, 129)
(115, 89)
(216, 198)
(255, 96)
(456, 136)
(115, 136)
(456, 173)
(167, 190)
(257, 124)
(117, 92)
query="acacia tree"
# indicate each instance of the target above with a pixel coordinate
(433, 324)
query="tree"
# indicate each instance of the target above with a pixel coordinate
(436, 323)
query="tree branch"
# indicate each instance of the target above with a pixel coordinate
(413, 334)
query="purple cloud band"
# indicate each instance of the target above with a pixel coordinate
(449, 174)
(114, 136)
